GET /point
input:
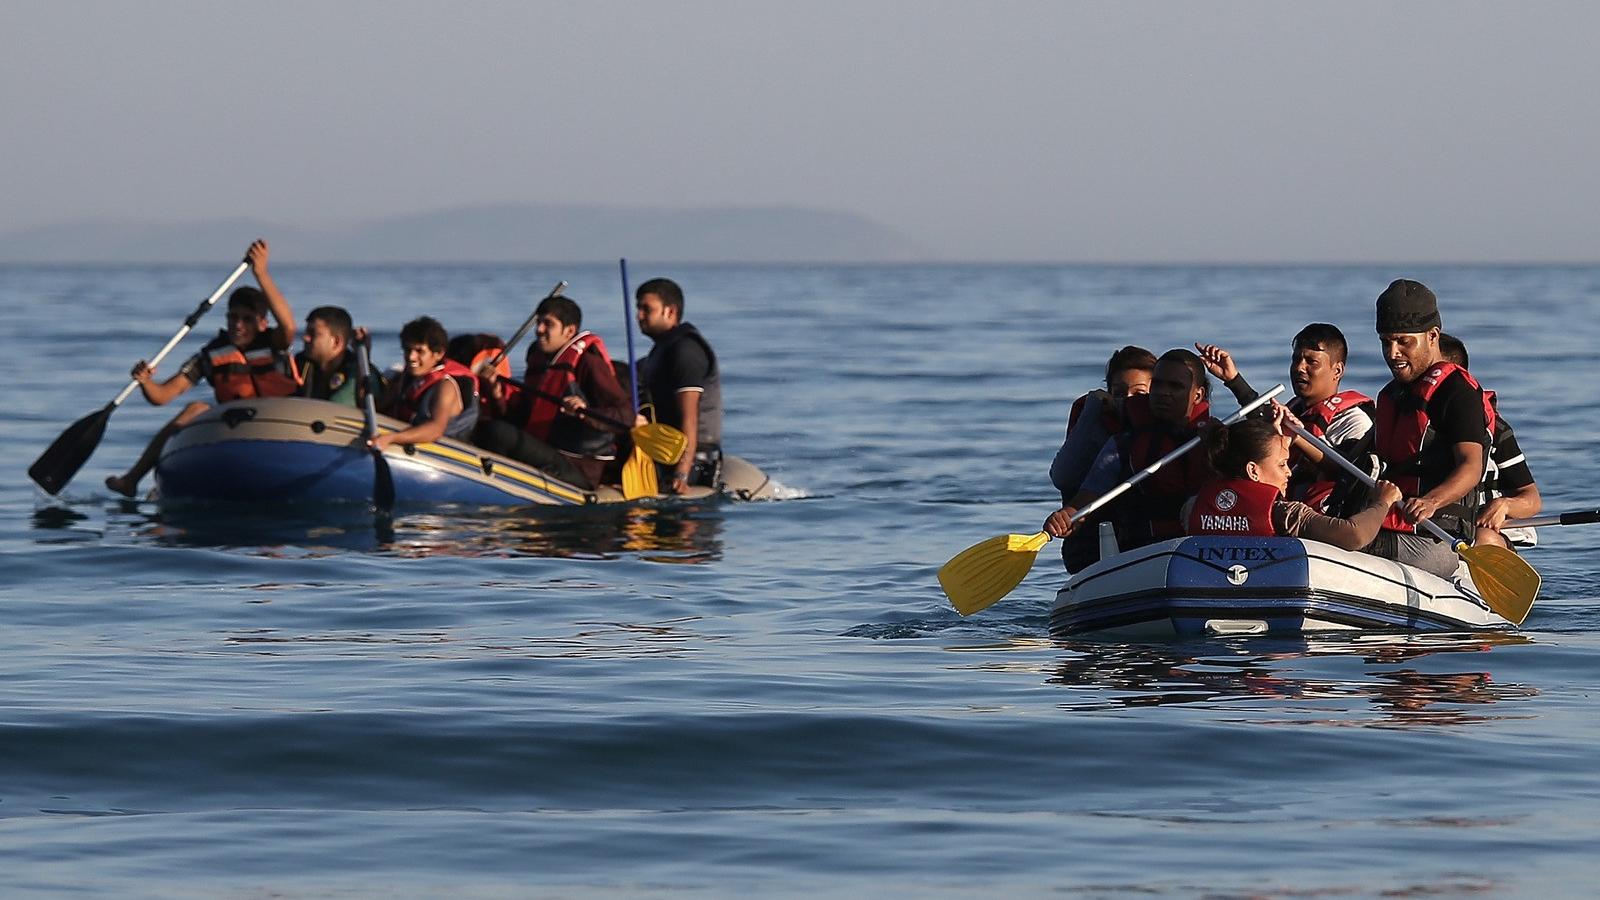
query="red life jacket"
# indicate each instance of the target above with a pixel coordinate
(1160, 497)
(257, 371)
(1236, 506)
(1307, 488)
(1110, 419)
(1403, 431)
(561, 373)
(413, 389)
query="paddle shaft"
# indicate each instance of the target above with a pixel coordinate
(598, 417)
(627, 320)
(523, 331)
(1151, 469)
(1578, 517)
(188, 325)
(1329, 453)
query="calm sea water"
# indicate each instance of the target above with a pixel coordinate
(775, 697)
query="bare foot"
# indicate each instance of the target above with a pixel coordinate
(122, 485)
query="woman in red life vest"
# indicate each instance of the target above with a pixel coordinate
(1252, 458)
(1154, 424)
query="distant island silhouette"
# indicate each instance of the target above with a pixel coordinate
(481, 234)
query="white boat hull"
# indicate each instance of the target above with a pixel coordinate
(1208, 585)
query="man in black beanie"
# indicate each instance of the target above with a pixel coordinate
(1431, 432)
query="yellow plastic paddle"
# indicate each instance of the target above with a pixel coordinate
(639, 476)
(1505, 581)
(983, 573)
(660, 441)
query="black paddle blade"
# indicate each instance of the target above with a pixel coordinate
(383, 486)
(62, 460)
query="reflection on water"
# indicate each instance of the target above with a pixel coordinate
(670, 533)
(1315, 673)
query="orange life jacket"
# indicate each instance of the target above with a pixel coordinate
(259, 370)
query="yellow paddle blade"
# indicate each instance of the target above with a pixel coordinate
(638, 476)
(1505, 581)
(983, 573)
(660, 442)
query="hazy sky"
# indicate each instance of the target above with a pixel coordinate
(1051, 131)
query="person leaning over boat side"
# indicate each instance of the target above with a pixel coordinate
(573, 366)
(1094, 418)
(682, 380)
(1508, 490)
(1343, 418)
(329, 368)
(1157, 423)
(1251, 457)
(1431, 432)
(249, 358)
(438, 396)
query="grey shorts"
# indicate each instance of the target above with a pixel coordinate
(1417, 550)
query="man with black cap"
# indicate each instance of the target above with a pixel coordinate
(1431, 431)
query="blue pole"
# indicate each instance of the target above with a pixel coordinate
(627, 318)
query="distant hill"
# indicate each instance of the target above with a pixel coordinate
(538, 233)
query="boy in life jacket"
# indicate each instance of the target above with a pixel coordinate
(1431, 432)
(329, 369)
(1508, 490)
(1341, 417)
(543, 422)
(436, 395)
(1156, 424)
(1094, 418)
(249, 358)
(1251, 457)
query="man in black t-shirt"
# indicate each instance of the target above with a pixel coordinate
(682, 380)
(1431, 431)
(1508, 490)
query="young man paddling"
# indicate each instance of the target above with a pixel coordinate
(1094, 419)
(543, 422)
(1431, 431)
(682, 380)
(1158, 422)
(249, 358)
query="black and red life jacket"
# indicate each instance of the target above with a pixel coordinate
(1110, 419)
(1236, 506)
(1305, 485)
(412, 390)
(1152, 510)
(1403, 433)
(555, 381)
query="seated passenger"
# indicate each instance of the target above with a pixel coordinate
(1508, 490)
(1156, 424)
(438, 396)
(329, 368)
(1094, 418)
(542, 422)
(1342, 418)
(1252, 458)
(249, 358)
(475, 351)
